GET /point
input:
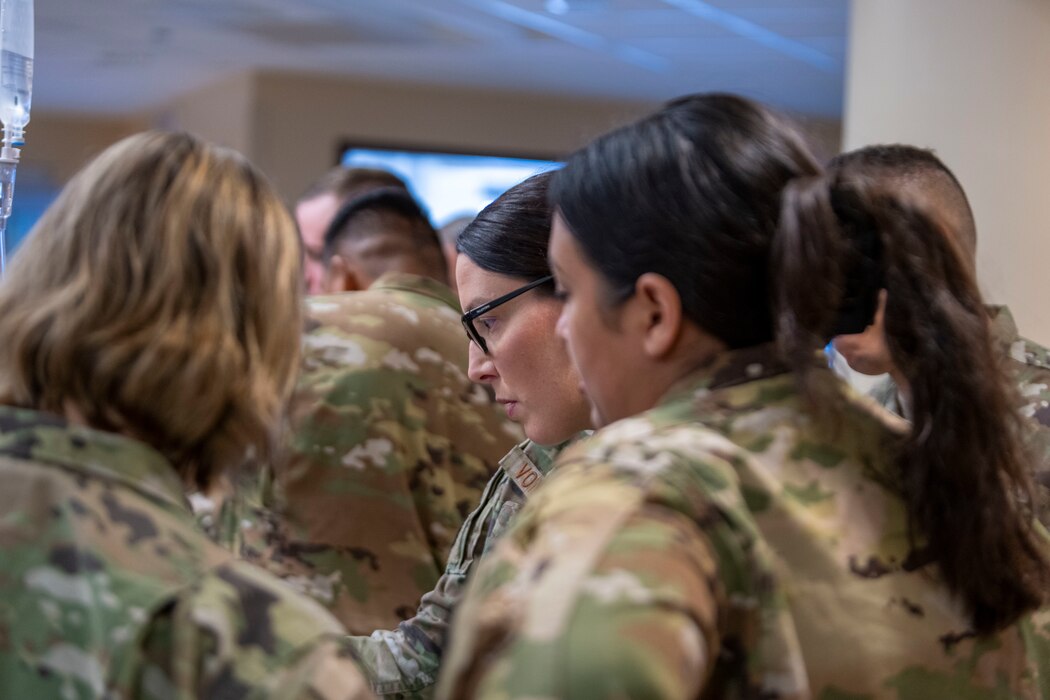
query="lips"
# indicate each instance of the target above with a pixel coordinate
(509, 405)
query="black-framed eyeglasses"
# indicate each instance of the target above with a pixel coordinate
(468, 318)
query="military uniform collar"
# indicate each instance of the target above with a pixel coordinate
(544, 456)
(528, 463)
(407, 282)
(44, 437)
(729, 369)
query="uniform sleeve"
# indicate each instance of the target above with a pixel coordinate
(604, 587)
(404, 663)
(644, 623)
(242, 634)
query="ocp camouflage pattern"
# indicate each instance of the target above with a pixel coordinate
(404, 662)
(1030, 367)
(109, 589)
(389, 448)
(729, 543)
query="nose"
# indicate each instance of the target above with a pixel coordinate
(480, 367)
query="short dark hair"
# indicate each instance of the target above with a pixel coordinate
(385, 201)
(347, 183)
(510, 235)
(893, 156)
(904, 168)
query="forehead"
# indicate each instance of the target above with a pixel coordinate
(563, 250)
(477, 286)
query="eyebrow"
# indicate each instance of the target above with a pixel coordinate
(477, 301)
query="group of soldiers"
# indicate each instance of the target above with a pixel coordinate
(384, 422)
(372, 571)
(388, 459)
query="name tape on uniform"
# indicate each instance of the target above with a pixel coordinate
(523, 472)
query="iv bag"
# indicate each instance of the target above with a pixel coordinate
(16, 65)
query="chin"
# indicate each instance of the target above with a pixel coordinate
(545, 435)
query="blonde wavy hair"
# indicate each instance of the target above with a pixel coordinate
(159, 297)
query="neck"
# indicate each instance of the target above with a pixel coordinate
(702, 351)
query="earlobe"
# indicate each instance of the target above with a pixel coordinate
(660, 312)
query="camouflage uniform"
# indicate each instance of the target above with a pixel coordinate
(1029, 364)
(405, 662)
(389, 448)
(728, 544)
(108, 589)
(235, 506)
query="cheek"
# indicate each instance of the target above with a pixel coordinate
(584, 347)
(523, 349)
(569, 329)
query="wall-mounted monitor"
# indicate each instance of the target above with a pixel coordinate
(449, 185)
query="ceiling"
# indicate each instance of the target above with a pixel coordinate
(130, 56)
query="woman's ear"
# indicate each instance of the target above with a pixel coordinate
(658, 314)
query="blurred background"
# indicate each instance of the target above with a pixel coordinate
(466, 97)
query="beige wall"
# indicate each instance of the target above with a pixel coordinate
(223, 112)
(969, 78)
(57, 145)
(291, 125)
(300, 120)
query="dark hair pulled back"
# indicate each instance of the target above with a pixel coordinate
(723, 199)
(509, 236)
(962, 469)
(692, 193)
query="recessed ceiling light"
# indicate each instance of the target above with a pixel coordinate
(558, 7)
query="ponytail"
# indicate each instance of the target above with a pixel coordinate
(963, 468)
